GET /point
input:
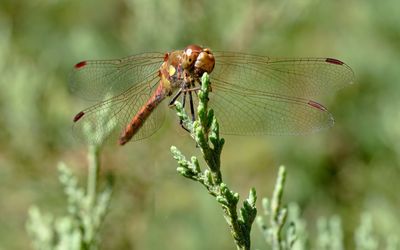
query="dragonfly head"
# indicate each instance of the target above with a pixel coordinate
(198, 59)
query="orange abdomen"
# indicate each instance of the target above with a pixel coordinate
(140, 118)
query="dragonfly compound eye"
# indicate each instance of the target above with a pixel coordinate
(190, 55)
(205, 62)
(189, 58)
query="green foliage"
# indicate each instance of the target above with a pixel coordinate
(364, 236)
(205, 131)
(273, 231)
(330, 234)
(79, 229)
(280, 235)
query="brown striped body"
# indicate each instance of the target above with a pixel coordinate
(139, 119)
(180, 70)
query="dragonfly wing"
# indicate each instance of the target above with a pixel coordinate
(93, 80)
(255, 95)
(99, 121)
(250, 113)
(307, 78)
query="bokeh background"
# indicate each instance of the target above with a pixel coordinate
(347, 170)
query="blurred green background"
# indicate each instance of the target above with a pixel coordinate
(349, 169)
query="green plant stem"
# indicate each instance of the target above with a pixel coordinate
(93, 173)
(205, 131)
(275, 233)
(279, 213)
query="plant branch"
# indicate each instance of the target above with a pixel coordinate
(205, 131)
(277, 214)
(93, 172)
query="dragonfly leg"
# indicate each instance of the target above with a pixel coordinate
(192, 107)
(183, 126)
(183, 105)
(192, 89)
(184, 99)
(172, 102)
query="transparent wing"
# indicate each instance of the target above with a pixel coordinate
(300, 77)
(99, 121)
(254, 95)
(93, 80)
(250, 113)
(122, 86)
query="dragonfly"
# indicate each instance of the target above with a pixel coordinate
(250, 94)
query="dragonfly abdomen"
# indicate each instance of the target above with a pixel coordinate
(137, 122)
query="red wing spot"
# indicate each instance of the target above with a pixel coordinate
(317, 105)
(80, 64)
(78, 116)
(334, 61)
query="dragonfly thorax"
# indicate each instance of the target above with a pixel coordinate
(182, 69)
